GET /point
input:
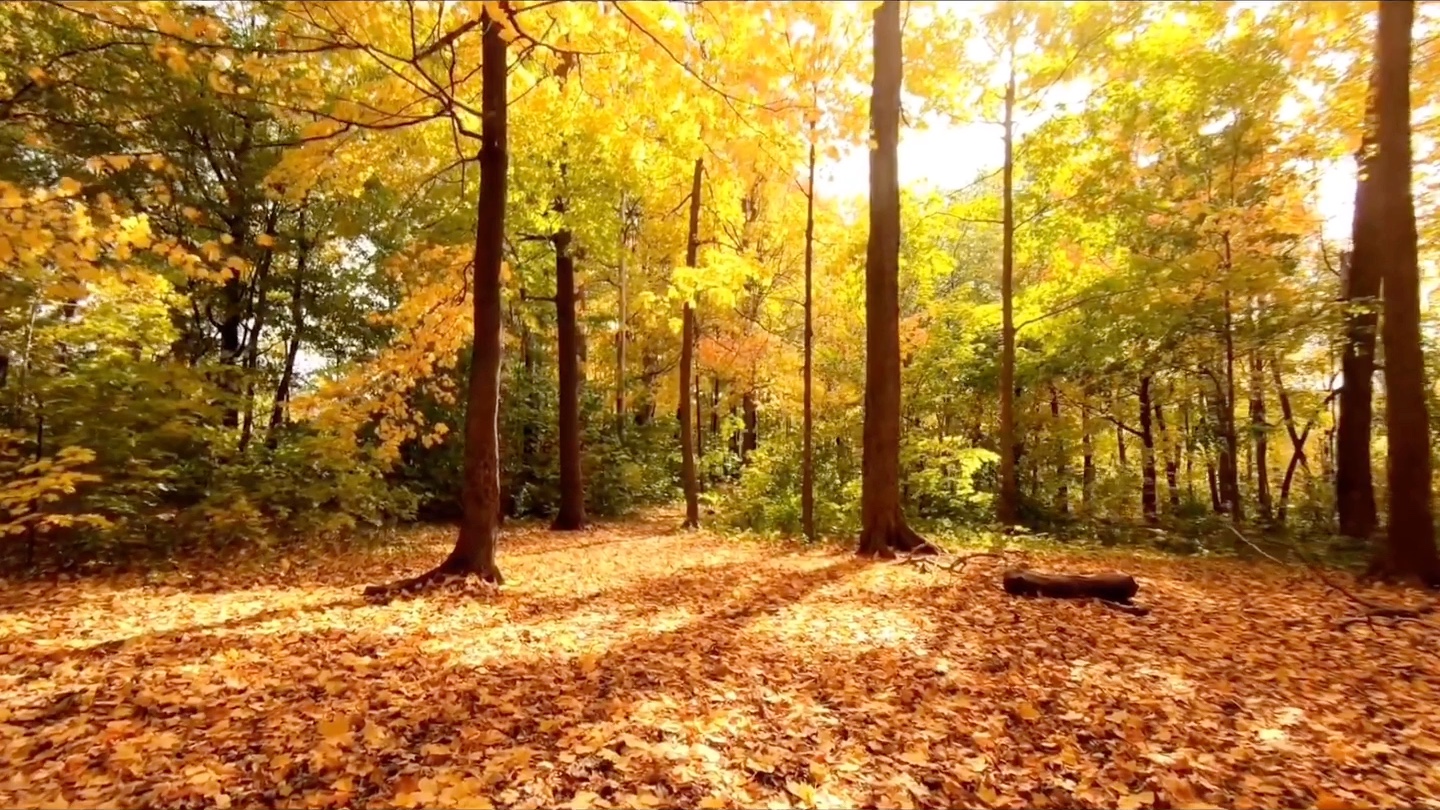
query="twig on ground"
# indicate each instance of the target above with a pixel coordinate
(1373, 610)
(955, 564)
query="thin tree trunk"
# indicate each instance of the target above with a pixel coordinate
(1172, 458)
(297, 331)
(1215, 505)
(699, 430)
(1409, 550)
(1007, 507)
(621, 328)
(1087, 469)
(882, 521)
(1230, 444)
(687, 362)
(1297, 442)
(571, 516)
(1062, 461)
(752, 426)
(1149, 498)
(1354, 482)
(474, 551)
(807, 460)
(1260, 428)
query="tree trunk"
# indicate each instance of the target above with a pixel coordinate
(1087, 469)
(1119, 436)
(1260, 428)
(474, 551)
(1149, 498)
(1409, 551)
(1215, 505)
(1111, 587)
(571, 516)
(1225, 404)
(687, 362)
(621, 327)
(1297, 442)
(297, 331)
(1007, 506)
(807, 459)
(1354, 483)
(752, 426)
(699, 428)
(1172, 457)
(1062, 461)
(883, 525)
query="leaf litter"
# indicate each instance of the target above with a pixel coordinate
(634, 666)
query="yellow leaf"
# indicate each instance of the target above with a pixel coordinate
(1027, 712)
(336, 729)
(1329, 801)
(69, 186)
(801, 791)
(265, 240)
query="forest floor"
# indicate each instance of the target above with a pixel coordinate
(634, 665)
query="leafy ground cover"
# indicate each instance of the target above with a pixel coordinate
(632, 665)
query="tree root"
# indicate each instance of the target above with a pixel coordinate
(439, 578)
(1372, 610)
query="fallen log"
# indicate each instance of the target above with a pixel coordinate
(1112, 586)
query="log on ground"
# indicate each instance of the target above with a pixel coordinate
(1111, 586)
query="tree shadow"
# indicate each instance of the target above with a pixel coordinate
(544, 703)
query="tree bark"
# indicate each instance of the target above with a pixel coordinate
(807, 460)
(882, 521)
(699, 426)
(1260, 428)
(1149, 498)
(1087, 469)
(571, 516)
(1225, 416)
(687, 362)
(1111, 587)
(1062, 460)
(751, 414)
(1297, 442)
(1008, 504)
(622, 326)
(1354, 482)
(474, 552)
(1172, 457)
(297, 331)
(1409, 551)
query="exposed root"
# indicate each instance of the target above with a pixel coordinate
(442, 577)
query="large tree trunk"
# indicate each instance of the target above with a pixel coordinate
(474, 551)
(571, 516)
(1149, 498)
(882, 522)
(687, 362)
(1409, 551)
(807, 459)
(1354, 484)
(1008, 503)
(1260, 428)
(1362, 278)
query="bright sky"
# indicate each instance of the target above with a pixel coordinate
(949, 157)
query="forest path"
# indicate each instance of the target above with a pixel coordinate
(636, 665)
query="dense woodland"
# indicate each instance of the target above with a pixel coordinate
(282, 269)
(303, 297)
